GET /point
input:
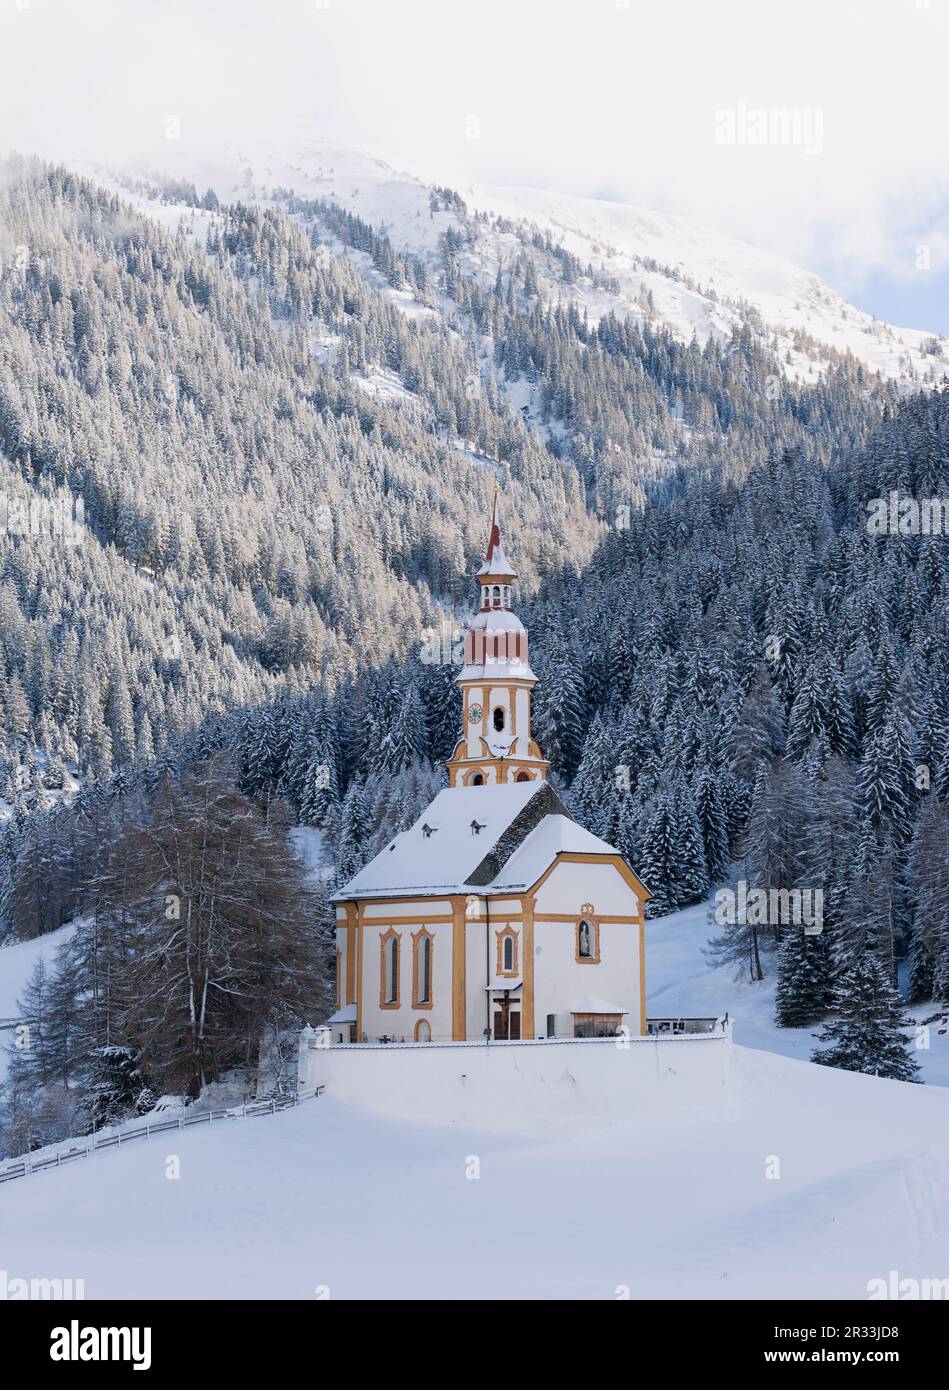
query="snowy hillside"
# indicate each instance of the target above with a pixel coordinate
(330, 1201)
(16, 965)
(701, 281)
(793, 1181)
(683, 981)
(17, 961)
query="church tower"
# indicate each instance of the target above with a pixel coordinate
(496, 684)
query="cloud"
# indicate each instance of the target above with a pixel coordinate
(622, 97)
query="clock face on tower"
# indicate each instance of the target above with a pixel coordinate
(474, 714)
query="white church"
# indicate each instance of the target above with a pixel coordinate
(495, 916)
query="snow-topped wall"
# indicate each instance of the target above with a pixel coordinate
(554, 1085)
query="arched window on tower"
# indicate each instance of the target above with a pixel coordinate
(496, 596)
(498, 718)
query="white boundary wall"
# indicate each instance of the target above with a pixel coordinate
(557, 1084)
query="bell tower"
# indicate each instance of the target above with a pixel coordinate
(496, 684)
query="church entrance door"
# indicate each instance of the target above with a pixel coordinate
(507, 1025)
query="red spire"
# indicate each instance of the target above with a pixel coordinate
(496, 564)
(495, 537)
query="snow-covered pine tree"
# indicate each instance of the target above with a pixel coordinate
(929, 881)
(691, 882)
(806, 720)
(355, 825)
(867, 1034)
(712, 823)
(114, 1087)
(558, 708)
(801, 994)
(594, 791)
(658, 863)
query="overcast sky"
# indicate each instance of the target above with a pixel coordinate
(658, 104)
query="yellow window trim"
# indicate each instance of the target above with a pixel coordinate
(506, 931)
(418, 1003)
(384, 939)
(587, 914)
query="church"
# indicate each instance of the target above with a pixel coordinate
(495, 916)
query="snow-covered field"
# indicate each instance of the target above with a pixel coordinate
(329, 1198)
(808, 1183)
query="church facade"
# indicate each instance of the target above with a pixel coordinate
(495, 915)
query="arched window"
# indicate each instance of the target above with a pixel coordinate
(422, 969)
(423, 1031)
(476, 780)
(496, 596)
(389, 970)
(522, 776)
(507, 951)
(498, 718)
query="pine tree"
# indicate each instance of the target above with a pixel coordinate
(712, 823)
(691, 882)
(801, 994)
(558, 710)
(929, 878)
(593, 791)
(405, 739)
(760, 728)
(867, 1033)
(115, 1087)
(885, 781)
(354, 827)
(807, 716)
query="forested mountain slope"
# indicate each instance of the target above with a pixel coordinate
(285, 432)
(251, 517)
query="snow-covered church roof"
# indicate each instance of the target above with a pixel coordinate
(485, 840)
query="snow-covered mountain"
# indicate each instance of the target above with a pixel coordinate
(690, 278)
